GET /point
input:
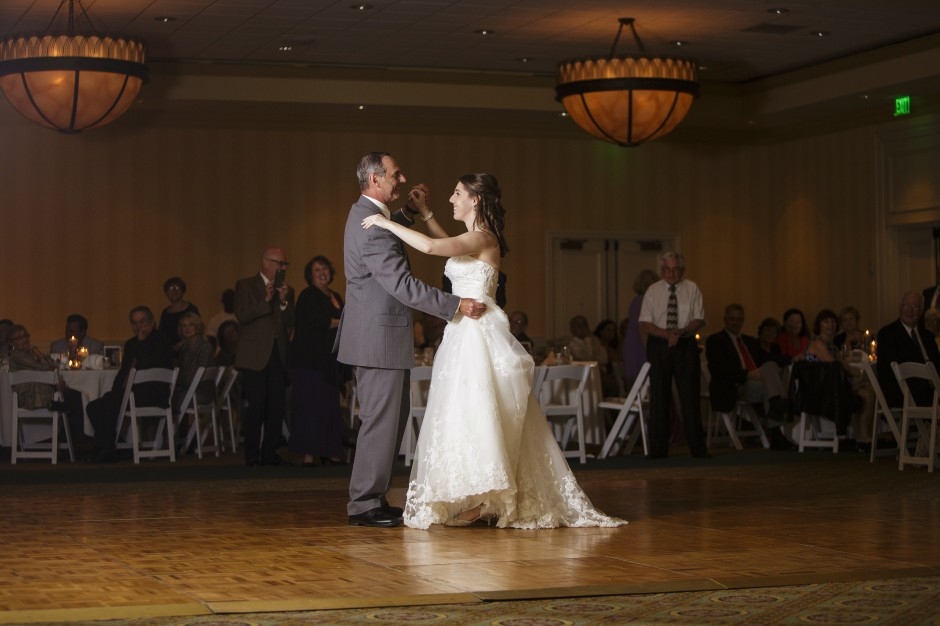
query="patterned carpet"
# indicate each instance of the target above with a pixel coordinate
(900, 602)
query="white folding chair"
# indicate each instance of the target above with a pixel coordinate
(629, 424)
(199, 408)
(809, 431)
(163, 414)
(732, 422)
(890, 415)
(924, 418)
(564, 407)
(419, 394)
(224, 405)
(44, 420)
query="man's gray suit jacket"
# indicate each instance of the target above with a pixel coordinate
(375, 328)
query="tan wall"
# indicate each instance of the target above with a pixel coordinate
(95, 223)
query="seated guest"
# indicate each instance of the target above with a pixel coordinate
(851, 336)
(823, 349)
(76, 326)
(794, 338)
(932, 323)
(583, 345)
(606, 334)
(906, 340)
(767, 348)
(228, 343)
(174, 288)
(735, 375)
(145, 350)
(192, 352)
(5, 326)
(432, 332)
(25, 356)
(518, 324)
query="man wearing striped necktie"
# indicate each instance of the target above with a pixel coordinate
(671, 314)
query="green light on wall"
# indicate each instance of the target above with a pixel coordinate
(902, 106)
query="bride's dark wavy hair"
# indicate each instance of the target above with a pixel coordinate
(490, 211)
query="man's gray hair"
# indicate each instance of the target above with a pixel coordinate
(671, 256)
(370, 164)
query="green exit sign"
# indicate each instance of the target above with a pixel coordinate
(902, 106)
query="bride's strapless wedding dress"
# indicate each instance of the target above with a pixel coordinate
(484, 439)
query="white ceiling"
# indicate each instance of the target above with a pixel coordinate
(728, 38)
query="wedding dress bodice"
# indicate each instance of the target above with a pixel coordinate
(471, 278)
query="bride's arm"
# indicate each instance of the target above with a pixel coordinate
(472, 242)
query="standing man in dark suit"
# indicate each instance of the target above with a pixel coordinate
(906, 340)
(264, 306)
(735, 375)
(375, 335)
(145, 350)
(671, 314)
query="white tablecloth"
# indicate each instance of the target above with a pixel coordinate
(91, 383)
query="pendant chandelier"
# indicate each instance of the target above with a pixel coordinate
(71, 82)
(627, 100)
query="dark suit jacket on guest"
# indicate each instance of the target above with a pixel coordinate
(154, 351)
(894, 344)
(262, 324)
(725, 369)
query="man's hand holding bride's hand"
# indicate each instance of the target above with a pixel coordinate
(375, 220)
(471, 308)
(418, 197)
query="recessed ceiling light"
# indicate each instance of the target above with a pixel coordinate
(680, 43)
(778, 11)
(485, 32)
(166, 19)
(362, 107)
(360, 7)
(525, 59)
(820, 33)
(285, 48)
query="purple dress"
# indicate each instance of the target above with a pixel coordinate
(634, 352)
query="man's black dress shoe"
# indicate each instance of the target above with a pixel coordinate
(393, 510)
(377, 517)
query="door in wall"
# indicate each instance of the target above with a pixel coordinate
(592, 275)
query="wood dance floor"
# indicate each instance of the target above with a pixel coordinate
(212, 536)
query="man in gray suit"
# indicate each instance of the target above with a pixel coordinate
(375, 335)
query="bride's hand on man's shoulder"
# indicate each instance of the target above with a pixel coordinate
(374, 220)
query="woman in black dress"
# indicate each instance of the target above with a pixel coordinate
(316, 420)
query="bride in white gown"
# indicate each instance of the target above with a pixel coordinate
(485, 449)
